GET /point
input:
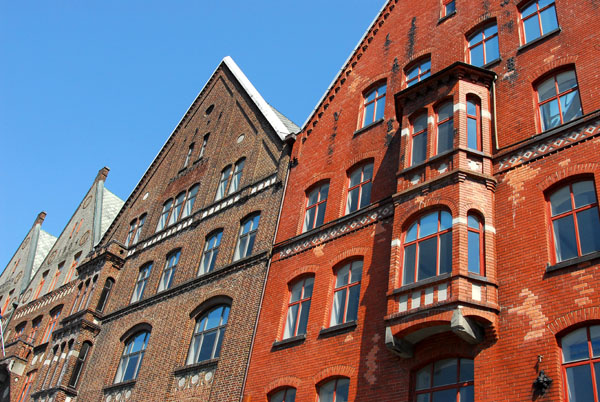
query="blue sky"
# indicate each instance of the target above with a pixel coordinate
(87, 84)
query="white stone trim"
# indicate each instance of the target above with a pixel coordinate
(489, 228)
(396, 243)
(485, 114)
(460, 106)
(459, 219)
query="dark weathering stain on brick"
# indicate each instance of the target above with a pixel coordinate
(410, 44)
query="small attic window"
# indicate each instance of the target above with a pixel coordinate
(209, 110)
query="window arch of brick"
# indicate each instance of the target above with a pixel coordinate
(210, 303)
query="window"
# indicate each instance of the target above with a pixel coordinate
(334, 390)
(133, 354)
(72, 268)
(56, 276)
(169, 271)
(164, 215)
(419, 139)
(581, 364)
(5, 306)
(105, 294)
(298, 307)
(428, 247)
(575, 221)
(203, 149)
(374, 105)
(419, 72)
(316, 202)
(188, 157)
(24, 394)
(223, 183)
(475, 229)
(248, 231)
(284, 395)
(19, 329)
(446, 380)
(474, 123)
(40, 285)
(135, 230)
(51, 324)
(79, 364)
(211, 250)
(483, 46)
(359, 187)
(35, 326)
(449, 7)
(132, 227)
(208, 335)
(140, 284)
(558, 98)
(346, 293)
(237, 176)
(177, 208)
(538, 18)
(445, 127)
(189, 203)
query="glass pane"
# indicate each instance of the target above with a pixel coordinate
(589, 230)
(371, 96)
(419, 148)
(490, 30)
(412, 73)
(308, 287)
(369, 113)
(467, 394)
(225, 315)
(426, 65)
(445, 372)
(341, 392)
(491, 50)
(473, 222)
(467, 371)
(445, 220)
(221, 335)
(313, 197)
(420, 123)
(597, 379)
(566, 80)
(549, 22)
(380, 108)
(278, 397)
(343, 276)
(381, 90)
(427, 258)
(475, 38)
(214, 318)
(423, 398)
(355, 177)
(304, 310)
(250, 244)
(575, 346)
(409, 264)
(447, 395)
(139, 343)
(474, 253)
(337, 312)
(365, 197)
(427, 74)
(550, 114)
(207, 346)
(320, 214)
(324, 191)
(579, 381)
(584, 193)
(326, 392)
(290, 396)
(450, 7)
(446, 253)
(471, 108)
(411, 234)
(352, 200)
(424, 378)
(564, 238)
(560, 201)
(353, 297)
(571, 106)
(290, 323)
(544, 3)
(356, 271)
(131, 367)
(445, 136)
(546, 89)
(595, 337)
(429, 225)
(532, 29)
(367, 172)
(296, 291)
(477, 55)
(309, 219)
(530, 9)
(445, 111)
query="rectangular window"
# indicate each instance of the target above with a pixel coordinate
(246, 238)
(169, 272)
(237, 176)
(419, 139)
(558, 98)
(72, 268)
(189, 155)
(177, 207)
(483, 46)
(50, 327)
(164, 215)
(223, 183)
(316, 203)
(211, 250)
(419, 72)
(203, 149)
(346, 293)
(138, 230)
(359, 188)
(537, 19)
(445, 128)
(140, 284)
(374, 105)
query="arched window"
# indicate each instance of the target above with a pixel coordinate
(474, 123)
(133, 354)
(538, 18)
(475, 229)
(374, 105)
(204, 144)
(24, 394)
(316, 203)
(445, 127)
(236, 179)
(298, 307)
(177, 207)
(483, 45)
(346, 293)
(140, 284)
(581, 364)
(211, 250)
(428, 247)
(208, 335)
(223, 183)
(108, 285)
(418, 72)
(19, 330)
(170, 266)
(35, 327)
(284, 395)
(79, 364)
(558, 99)
(360, 181)
(188, 156)
(419, 139)
(164, 215)
(248, 230)
(335, 390)
(51, 324)
(575, 221)
(446, 380)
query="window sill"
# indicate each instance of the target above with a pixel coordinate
(573, 262)
(538, 40)
(196, 366)
(118, 386)
(367, 127)
(491, 63)
(338, 329)
(426, 162)
(289, 342)
(423, 282)
(447, 17)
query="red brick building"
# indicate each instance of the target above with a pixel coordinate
(440, 237)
